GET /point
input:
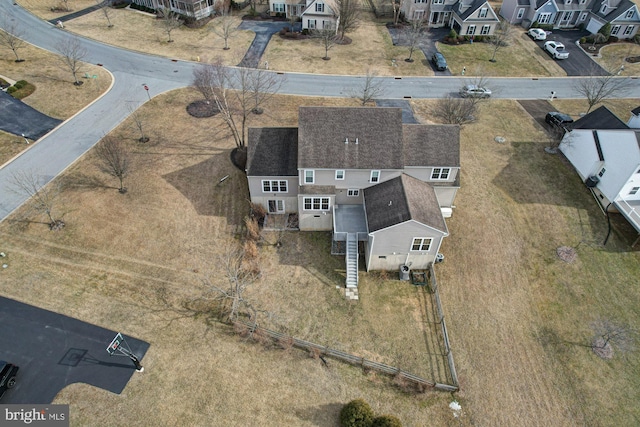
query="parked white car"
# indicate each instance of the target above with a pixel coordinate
(556, 49)
(537, 34)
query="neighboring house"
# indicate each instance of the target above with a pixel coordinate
(608, 162)
(634, 120)
(590, 14)
(197, 9)
(314, 14)
(467, 17)
(601, 118)
(378, 184)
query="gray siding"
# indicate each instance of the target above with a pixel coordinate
(315, 220)
(354, 178)
(258, 196)
(394, 243)
(446, 196)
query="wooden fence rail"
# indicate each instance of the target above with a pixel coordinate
(346, 357)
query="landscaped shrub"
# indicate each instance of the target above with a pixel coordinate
(478, 39)
(453, 34)
(605, 30)
(356, 413)
(536, 24)
(20, 84)
(386, 421)
(583, 40)
(613, 39)
(11, 89)
(546, 27)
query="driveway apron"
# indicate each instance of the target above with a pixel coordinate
(18, 118)
(578, 63)
(427, 44)
(264, 31)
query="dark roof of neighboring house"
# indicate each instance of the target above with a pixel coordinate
(601, 118)
(620, 9)
(272, 152)
(431, 145)
(322, 133)
(402, 199)
(636, 111)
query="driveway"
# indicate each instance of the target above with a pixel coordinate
(54, 351)
(578, 63)
(18, 118)
(264, 30)
(427, 44)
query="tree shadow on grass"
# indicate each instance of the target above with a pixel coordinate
(211, 194)
(321, 415)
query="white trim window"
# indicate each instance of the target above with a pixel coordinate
(320, 7)
(274, 186)
(583, 16)
(312, 24)
(629, 30)
(629, 14)
(544, 18)
(567, 16)
(421, 244)
(603, 9)
(340, 174)
(316, 203)
(583, 1)
(568, 2)
(483, 12)
(353, 192)
(471, 30)
(309, 176)
(437, 1)
(418, 15)
(440, 173)
(419, 1)
(278, 7)
(276, 206)
(485, 30)
(375, 176)
(602, 171)
(633, 191)
(615, 30)
(520, 13)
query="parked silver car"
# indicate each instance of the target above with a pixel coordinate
(474, 91)
(556, 49)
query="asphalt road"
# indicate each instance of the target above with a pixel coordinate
(60, 148)
(54, 351)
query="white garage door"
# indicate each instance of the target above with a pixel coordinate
(593, 26)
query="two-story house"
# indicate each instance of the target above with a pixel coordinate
(607, 159)
(379, 185)
(314, 14)
(197, 9)
(467, 17)
(590, 14)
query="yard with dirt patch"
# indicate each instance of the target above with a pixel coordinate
(520, 320)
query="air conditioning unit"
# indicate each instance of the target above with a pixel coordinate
(592, 181)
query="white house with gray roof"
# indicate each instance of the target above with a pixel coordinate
(564, 14)
(467, 17)
(382, 187)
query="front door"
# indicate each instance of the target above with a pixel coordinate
(276, 206)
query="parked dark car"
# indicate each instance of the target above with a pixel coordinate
(439, 62)
(8, 373)
(555, 118)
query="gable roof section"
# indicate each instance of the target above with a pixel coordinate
(431, 145)
(620, 9)
(636, 111)
(477, 4)
(402, 199)
(322, 133)
(272, 152)
(601, 118)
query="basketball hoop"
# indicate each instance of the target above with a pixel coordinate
(120, 347)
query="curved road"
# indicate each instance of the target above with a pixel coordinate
(65, 144)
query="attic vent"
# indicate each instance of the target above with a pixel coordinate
(346, 140)
(390, 202)
(356, 141)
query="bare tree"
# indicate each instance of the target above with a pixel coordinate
(371, 88)
(396, 5)
(459, 111)
(502, 35)
(226, 28)
(44, 196)
(609, 334)
(65, 5)
(11, 37)
(169, 22)
(349, 16)
(105, 7)
(236, 93)
(139, 121)
(72, 54)
(596, 89)
(327, 37)
(114, 159)
(413, 34)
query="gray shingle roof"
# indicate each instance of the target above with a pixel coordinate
(431, 145)
(601, 118)
(323, 130)
(621, 9)
(636, 111)
(272, 152)
(477, 4)
(402, 199)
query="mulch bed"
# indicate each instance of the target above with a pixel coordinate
(202, 108)
(567, 254)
